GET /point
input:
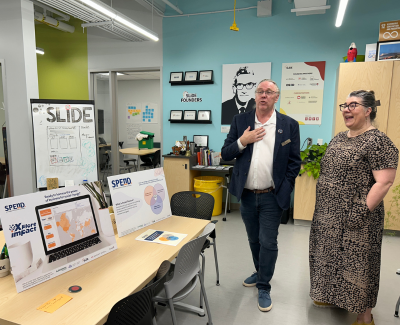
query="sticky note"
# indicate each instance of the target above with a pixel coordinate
(53, 304)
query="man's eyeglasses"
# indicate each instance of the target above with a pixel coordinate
(351, 106)
(267, 92)
(249, 85)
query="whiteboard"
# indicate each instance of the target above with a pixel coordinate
(64, 135)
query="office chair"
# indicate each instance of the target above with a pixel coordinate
(197, 205)
(122, 167)
(138, 308)
(186, 274)
(151, 160)
(102, 141)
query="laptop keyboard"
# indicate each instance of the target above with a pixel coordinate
(74, 249)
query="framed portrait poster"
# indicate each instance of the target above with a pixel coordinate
(204, 115)
(175, 77)
(206, 75)
(191, 75)
(388, 51)
(176, 115)
(190, 115)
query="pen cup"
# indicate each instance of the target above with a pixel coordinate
(4, 267)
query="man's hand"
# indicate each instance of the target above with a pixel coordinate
(252, 136)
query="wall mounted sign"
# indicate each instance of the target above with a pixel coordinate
(302, 91)
(190, 115)
(176, 76)
(206, 75)
(389, 31)
(191, 75)
(204, 115)
(190, 98)
(176, 115)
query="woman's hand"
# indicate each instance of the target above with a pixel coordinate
(384, 180)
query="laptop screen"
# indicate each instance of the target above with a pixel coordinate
(66, 223)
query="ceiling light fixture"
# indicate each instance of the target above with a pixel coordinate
(39, 51)
(114, 15)
(341, 11)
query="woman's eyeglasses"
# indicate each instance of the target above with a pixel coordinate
(351, 106)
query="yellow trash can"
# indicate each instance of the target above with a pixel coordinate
(211, 185)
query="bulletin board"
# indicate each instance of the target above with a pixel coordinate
(64, 136)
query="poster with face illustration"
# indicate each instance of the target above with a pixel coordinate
(239, 82)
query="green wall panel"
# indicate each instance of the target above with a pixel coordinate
(63, 69)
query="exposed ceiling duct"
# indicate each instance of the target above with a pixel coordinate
(52, 22)
(96, 13)
(310, 7)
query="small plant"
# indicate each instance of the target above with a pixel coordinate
(311, 157)
(96, 189)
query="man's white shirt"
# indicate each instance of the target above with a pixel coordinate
(260, 175)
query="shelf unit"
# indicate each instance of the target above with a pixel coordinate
(197, 82)
(190, 122)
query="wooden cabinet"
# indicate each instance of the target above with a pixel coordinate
(384, 79)
(178, 175)
(376, 76)
(304, 197)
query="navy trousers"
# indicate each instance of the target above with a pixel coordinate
(261, 215)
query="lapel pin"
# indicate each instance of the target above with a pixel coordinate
(280, 131)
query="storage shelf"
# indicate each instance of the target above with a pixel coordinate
(197, 82)
(190, 122)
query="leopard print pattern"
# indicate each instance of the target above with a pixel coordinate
(345, 236)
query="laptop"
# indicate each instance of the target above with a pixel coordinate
(69, 231)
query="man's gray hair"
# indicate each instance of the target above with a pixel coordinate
(271, 81)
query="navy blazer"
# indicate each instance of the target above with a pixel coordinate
(286, 161)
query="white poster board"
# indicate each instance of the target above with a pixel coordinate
(41, 224)
(64, 134)
(302, 91)
(139, 199)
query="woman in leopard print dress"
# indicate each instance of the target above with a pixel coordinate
(357, 171)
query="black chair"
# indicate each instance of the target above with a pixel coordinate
(198, 205)
(138, 308)
(151, 160)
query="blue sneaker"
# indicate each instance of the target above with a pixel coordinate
(264, 300)
(251, 281)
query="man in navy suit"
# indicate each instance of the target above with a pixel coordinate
(242, 100)
(266, 145)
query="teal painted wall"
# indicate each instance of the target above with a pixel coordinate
(205, 42)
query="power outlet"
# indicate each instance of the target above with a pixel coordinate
(309, 141)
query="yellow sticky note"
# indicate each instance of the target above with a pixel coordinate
(53, 304)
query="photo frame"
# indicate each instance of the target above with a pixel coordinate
(204, 115)
(189, 115)
(191, 75)
(201, 140)
(176, 115)
(388, 51)
(206, 75)
(176, 77)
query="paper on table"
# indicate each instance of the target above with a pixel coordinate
(53, 304)
(161, 237)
